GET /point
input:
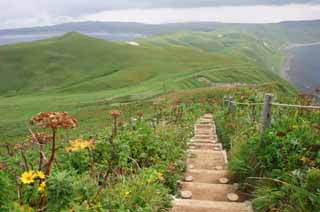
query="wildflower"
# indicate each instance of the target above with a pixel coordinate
(40, 175)
(42, 187)
(80, 144)
(18, 146)
(140, 114)
(115, 113)
(160, 176)
(54, 120)
(126, 194)
(28, 177)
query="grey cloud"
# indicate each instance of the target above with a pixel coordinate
(19, 13)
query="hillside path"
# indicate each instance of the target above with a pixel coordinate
(207, 185)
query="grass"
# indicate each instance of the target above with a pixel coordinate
(84, 75)
(153, 156)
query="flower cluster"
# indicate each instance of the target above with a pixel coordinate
(29, 177)
(54, 120)
(40, 138)
(80, 144)
(115, 113)
(140, 114)
(42, 187)
(21, 146)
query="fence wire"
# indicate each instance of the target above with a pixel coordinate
(277, 104)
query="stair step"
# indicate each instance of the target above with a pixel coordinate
(207, 161)
(207, 166)
(207, 176)
(208, 115)
(210, 192)
(209, 146)
(208, 154)
(208, 206)
(204, 133)
(203, 127)
(212, 137)
(196, 140)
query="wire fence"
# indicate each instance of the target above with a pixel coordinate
(266, 114)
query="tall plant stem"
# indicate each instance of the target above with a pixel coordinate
(53, 152)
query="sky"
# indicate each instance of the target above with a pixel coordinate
(28, 13)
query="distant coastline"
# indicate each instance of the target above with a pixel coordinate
(298, 45)
(293, 74)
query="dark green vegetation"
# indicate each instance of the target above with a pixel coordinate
(280, 168)
(82, 75)
(131, 166)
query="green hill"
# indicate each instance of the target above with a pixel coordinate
(77, 63)
(81, 74)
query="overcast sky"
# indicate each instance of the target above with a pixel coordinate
(27, 13)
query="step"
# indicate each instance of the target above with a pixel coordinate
(207, 176)
(209, 154)
(208, 115)
(205, 122)
(205, 137)
(203, 140)
(204, 126)
(212, 134)
(206, 164)
(206, 191)
(209, 146)
(204, 132)
(180, 205)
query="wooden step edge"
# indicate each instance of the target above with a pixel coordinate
(207, 171)
(198, 205)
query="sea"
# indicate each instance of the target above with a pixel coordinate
(302, 68)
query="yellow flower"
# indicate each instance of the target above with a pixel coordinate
(80, 144)
(160, 176)
(40, 175)
(42, 187)
(27, 177)
(126, 194)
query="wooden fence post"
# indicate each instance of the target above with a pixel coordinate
(253, 113)
(231, 104)
(267, 111)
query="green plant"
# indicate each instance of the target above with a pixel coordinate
(60, 191)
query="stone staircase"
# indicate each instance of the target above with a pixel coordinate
(206, 186)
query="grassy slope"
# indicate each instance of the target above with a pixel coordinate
(75, 72)
(233, 43)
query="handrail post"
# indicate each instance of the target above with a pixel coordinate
(267, 111)
(253, 113)
(231, 104)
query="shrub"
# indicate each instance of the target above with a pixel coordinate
(60, 191)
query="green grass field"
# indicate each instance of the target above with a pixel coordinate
(85, 76)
